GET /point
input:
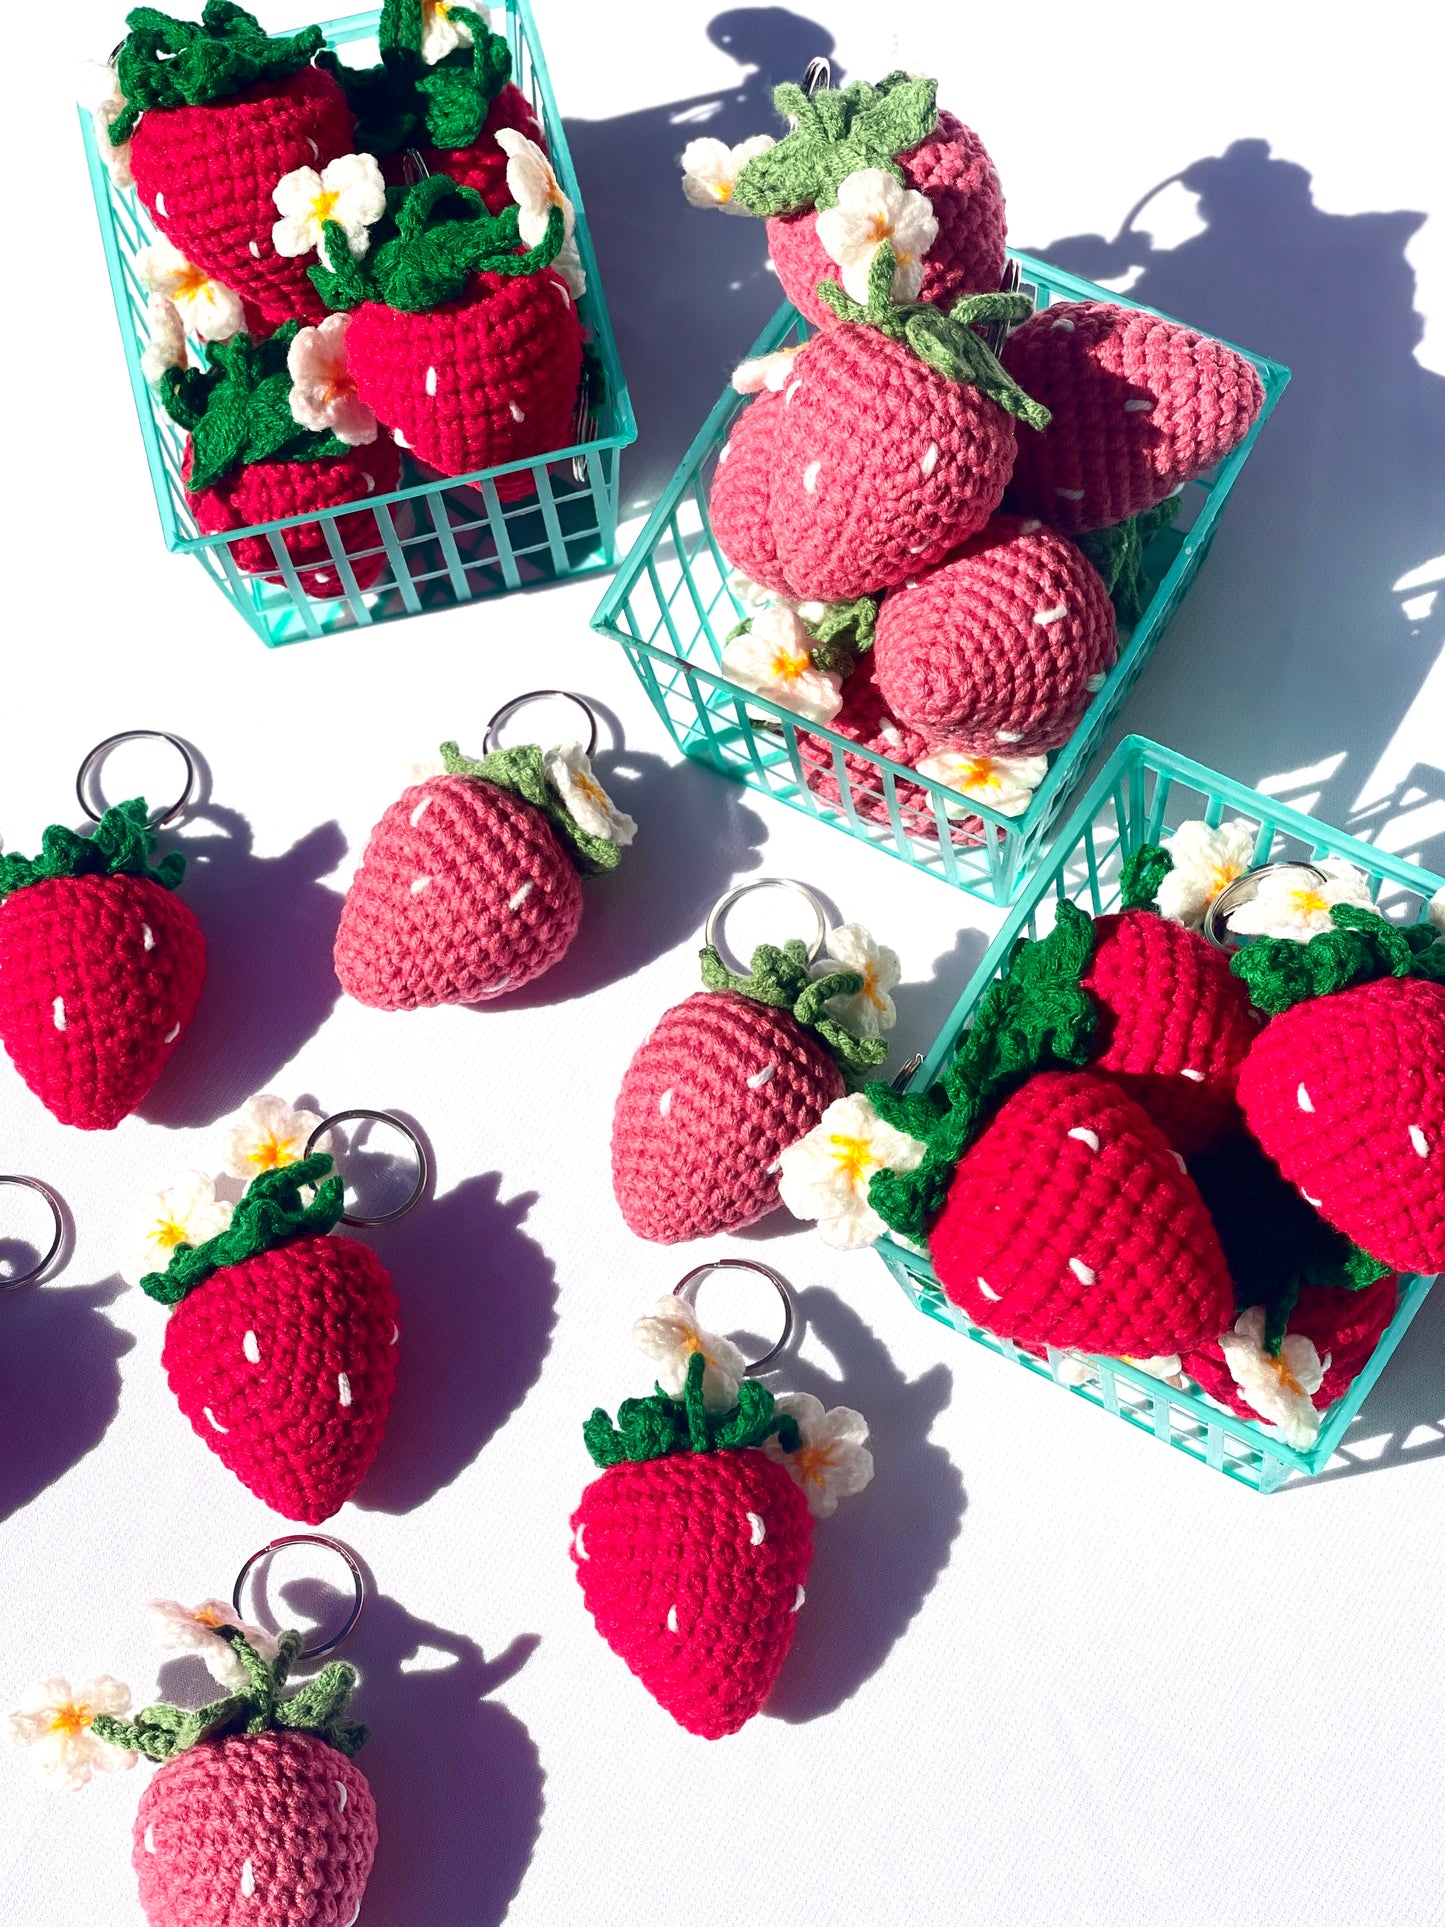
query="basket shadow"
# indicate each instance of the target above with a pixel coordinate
(1405, 1411)
(59, 1381)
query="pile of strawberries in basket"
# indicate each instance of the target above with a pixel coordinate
(371, 259)
(938, 502)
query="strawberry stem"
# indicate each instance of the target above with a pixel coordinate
(783, 980)
(1117, 554)
(238, 410)
(1141, 877)
(270, 1214)
(660, 1426)
(1362, 948)
(404, 102)
(121, 845)
(522, 771)
(443, 236)
(834, 133)
(165, 62)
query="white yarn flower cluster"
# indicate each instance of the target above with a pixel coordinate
(323, 394)
(209, 310)
(773, 657)
(672, 1337)
(187, 1212)
(267, 1135)
(442, 32)
(194, 1629)
(1293, 903)
(167, 345)
(1280, 1388)
(100, 93)
(710, 170)
(1004, 783)
(349, 191)
(53, 1723)
(533, 185)
(868, 1011)
(873, 208)
(569, 771)
(1207, 859)
(826, 1175)
(832, 1461)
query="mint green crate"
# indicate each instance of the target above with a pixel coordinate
(671, 609)
(445, 542)
(1143, 792)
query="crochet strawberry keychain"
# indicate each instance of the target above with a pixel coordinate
(742, 1069)
(471, 882)
(693, 1547)
(101, 963)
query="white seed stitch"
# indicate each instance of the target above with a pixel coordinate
(248, 1880)
(725, 451)
(798, 1602)
(520, 896)
(343, 1388)
(1063, 325)
(810, 476)
(58, 1012)
(370, 481)
(517, 412)
(147, 936)
(255, 250)
(1008, 736)
(764, 1076)
(315, 150)
(341, 1796)
(580, 1549)
(566, 298)
(251, 1346)
(150, 1839)
(672, 1619)
(418, 884)
(1070, 494)
(1180, 1162)
(323, 575)
(664, 1104)
(988, 1291)
(161, 205)
(431, 381)
(793, 387)
(891, 734)
(1195, 1077)
(930, 460)
(420, 811)
(759, 1530)
(1086, 1136)
(1140, 407)
(1031, 526)
(1046, 617)
(1085, 1274)
(172, 1034)
(1316, 1202)
(1303, 1099)
(215, 1424)
(1419, 1143)
(1096, 682)
(400, 439)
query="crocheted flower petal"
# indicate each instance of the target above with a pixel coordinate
(186, 1213)
(167, 345)
(1004, 783)
(442, 32)
(1206, 860)
(267, 1135)
(569, 771)
(53, 1724)
(534, 187)
(672, 1336)
(710, 170)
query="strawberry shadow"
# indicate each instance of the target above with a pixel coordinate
(59, 1378)
(1402, 1421)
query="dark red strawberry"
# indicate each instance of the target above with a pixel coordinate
(1343, 1325)
(101, 967)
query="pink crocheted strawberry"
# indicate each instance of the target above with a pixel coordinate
(281, 1345)
(894, 130)
(101, 967)
(1140, 406)
(723, 1084)
(216, 114)
(1001, 647)
(470, 885)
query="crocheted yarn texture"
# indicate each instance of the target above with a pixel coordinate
(1344, 1327)
(482, 164)
(266, 491)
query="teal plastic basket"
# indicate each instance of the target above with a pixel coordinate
(671, 609)
(444, 541)
(1142, 792)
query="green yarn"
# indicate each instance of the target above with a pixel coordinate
(162, 1731)
(1117, 554)
(165, 62)
(1141, 876)
(238, 410)
(522, 772)
(661, 1426)
(783, 980)
(404, 102)
(844, 631)
(836, 132)
(1362, 948)
(121, 845)
(948, 342)
(270, 1214)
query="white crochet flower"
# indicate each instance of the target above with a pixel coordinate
(1435, 910)
(210, 311)
(710, 170)
(832, 1462)
(583, 797)
(869, 1011)
(54, 1721)
(348, 190)
(187, 1213)
(1206, 861)
(874, 207)
(772, 371)
(167, 345)
(568, 264)
(100, 93)
(441, 31)
(323, 395)
(1005, 783)
(267, 1135)
(774, 658)
(535, 188)
(192, 1629)
(672, 1337)
(825, 1175)
(1291, 903)
(1279, 1388)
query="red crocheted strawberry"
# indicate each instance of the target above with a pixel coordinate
(470, 885)
(1000, 648)
(867, 720)
(216, 114)
(722, 1086)
(281, 1347)
(101, 967)
(1343, 1325)
(895, 129)
(1140, 406)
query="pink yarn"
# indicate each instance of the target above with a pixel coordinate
(741, 486)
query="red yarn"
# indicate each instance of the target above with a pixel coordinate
(953, 169)
(1140, 406)
(265, 491)
(500, 900)
(205, 175)
(99, 977)
(1347, 1094)
(741, 486)
(1344, 1327)
(483, 164)
(271, 1830)
(707, 1106)
(999, 649)
(684, 1589)
(300, 1422)
(1048, 1240)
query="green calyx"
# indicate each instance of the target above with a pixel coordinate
(121, 845)
(403, 102)
(441, 236)
(1141, 877)
(1117, 554)
(238, 410)
(947, 343)
(165, 62)
(523, 772)
(844, 632)
(661, 1426)
(319, 1708)
(1362, 948)
(783, 980)
(835, 132)
(271, 1214)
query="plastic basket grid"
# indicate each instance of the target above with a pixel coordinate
(1142, 792)
(444, 542)
(671, 608)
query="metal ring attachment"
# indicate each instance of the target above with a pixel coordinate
(1244, 890)
(688, 1288)
(489, 741)
(159, 818)
(358, 1581)
(423, 1163)
(57, 1212)
(817, 75)
(725, 903)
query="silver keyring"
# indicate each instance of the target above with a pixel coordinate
(423, 1163)
(489, 741)
(691, 1283)
(161, 818)
(414, 168)
(1244, 890)
(358, 1580)
(817, 75)
(57, 1212)
(725, 903)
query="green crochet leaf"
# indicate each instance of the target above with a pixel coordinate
(238, 410)
(1362, 948)
(783, 980)
(660, 1426)
(270, 1214)
(405, 103)
(836, 132)
(843, 632)
(1142, 875)
(121, 845)
(1117, 554)
(165, 62)
(522, 771)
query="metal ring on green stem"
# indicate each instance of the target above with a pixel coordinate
(1244, 890)
(56, 1212)
(162, 817)
(725, 903)
(687, 1288)
(489, 741)
(358, 1580)
(423, 1163)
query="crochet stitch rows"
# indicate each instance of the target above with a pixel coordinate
(483, 164)
(1344, 1327)
(739, 503)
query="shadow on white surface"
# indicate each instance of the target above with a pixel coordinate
(59, 1380)
(1402, 1422)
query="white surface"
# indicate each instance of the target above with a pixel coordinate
(1110, 1685)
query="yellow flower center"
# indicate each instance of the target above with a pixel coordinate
(870, 986)
(979, 773)
(1308, 902)
(71, 1718)
(324, 202)
(590, 788)
(788, 664)
(811, 1463)
(193, 282)
(879, 227)
(1221, 875)
(1286, 1377)
(436, 9)
(722, 192)
(853, 1156)
(208, 1616)
(168, 1234)
(271, 1153)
